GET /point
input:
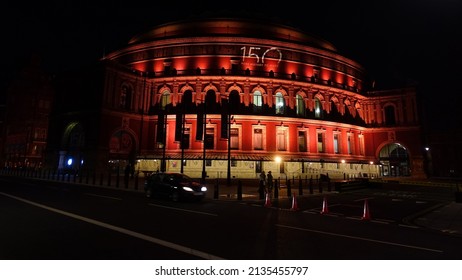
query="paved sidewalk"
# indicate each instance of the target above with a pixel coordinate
(446, 218)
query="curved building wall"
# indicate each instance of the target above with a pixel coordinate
(228, 99)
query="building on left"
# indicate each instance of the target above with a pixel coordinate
(25, 117)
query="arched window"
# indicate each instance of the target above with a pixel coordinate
(234, 101)
(300, 105)
(317, 109)
(279, 102)
(126, 97)
(165, 99)
(257, 101)
(187, 100)
(211, 101)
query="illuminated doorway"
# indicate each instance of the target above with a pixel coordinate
(394, 159)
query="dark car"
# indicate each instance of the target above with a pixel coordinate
(175, 186)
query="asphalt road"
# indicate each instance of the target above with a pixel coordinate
(43, 220)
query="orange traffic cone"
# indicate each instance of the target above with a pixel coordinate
(366, 214)
(294, 203)
(267, 200)
(325, 208)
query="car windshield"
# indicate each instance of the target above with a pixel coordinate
(180, 178)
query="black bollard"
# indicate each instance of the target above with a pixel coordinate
(239, 190)
(311, 184)
(137, 177)
(276, 188)
(289, 189)
(300, 186)
(215, 190)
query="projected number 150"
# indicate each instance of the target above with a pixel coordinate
(256, 51)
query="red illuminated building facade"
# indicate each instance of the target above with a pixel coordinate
(221, 97)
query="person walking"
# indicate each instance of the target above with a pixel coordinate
(261, 185)
(269, 184)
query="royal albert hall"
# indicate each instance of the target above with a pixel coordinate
(221, 97)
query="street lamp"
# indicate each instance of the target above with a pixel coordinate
(226, 119)
(278, 160)
(370, 168)
(228, 175)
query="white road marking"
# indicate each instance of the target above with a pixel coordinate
(148, 238)
(362, 199)
(103, 196)
(361, 238)
(181, 209)
(409, 226)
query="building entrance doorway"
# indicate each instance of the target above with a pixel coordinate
(394, 159)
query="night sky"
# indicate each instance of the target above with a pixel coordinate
(398, 42)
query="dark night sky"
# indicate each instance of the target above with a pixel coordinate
(398, 42)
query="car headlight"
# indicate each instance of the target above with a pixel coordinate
(188, 189)
(203, 189)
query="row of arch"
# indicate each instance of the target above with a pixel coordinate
(280, 100)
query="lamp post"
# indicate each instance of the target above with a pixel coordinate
(228, 174)
(204, 133)
(226, 119)
(183, 120)
(370, 169)
(278, 160)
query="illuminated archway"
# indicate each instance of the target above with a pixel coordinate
(394, 159)
(72, 146)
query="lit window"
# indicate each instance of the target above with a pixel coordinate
(234, 140)
(257, 100)
(361, 144)
(336, 143)
(300, 106)
(317, 108)
(279, 104)
(320, 142)
(350, 144)
(258, 139)
(165, 99)
(281, 138)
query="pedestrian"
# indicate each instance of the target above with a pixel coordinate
(261, 185)
(269, 184)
